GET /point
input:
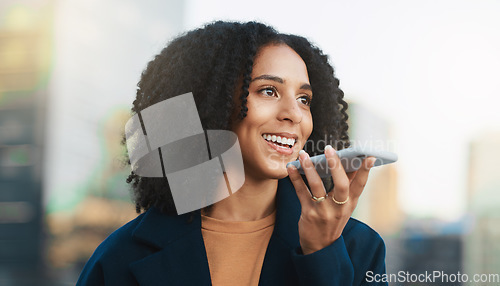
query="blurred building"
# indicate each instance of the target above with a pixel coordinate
(482, 241)
(428, 245)
(378, 206)
(68, 74)
(25, 65)
(101, 48)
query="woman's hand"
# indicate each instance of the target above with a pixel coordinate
(322, 221)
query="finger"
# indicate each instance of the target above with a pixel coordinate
(340, 180)
(359, 181)
(351, 175)
(299, 184)
(313, 179)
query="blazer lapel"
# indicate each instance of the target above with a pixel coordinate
(181, 259)
(278, 268)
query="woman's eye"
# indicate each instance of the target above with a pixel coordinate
(305, 99)
(269, 91)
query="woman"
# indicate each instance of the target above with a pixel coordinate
(276, 229)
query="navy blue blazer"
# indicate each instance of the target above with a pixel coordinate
(156, 249)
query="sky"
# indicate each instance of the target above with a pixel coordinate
(429, 68)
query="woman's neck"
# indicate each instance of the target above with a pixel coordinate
(253, 201)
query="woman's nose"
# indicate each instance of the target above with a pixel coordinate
(289, 109)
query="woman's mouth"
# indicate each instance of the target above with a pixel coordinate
(281, 144)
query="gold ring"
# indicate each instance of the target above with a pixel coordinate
(339, 203)
(318, 199)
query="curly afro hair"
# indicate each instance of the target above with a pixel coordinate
(215, 64)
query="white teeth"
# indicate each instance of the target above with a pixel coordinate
(279, 139)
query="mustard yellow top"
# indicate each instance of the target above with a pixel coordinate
(236, 249)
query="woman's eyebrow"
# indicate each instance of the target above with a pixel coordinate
(306, 86)
(278, 79)
(269, 77)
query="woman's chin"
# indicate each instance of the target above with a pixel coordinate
(280, 173)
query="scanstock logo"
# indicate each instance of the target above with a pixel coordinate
(167, 140)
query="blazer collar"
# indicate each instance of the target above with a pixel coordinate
(278, 268)
(181, 259)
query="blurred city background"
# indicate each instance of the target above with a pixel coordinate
(421, 78)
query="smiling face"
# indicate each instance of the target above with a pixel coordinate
(278, 120)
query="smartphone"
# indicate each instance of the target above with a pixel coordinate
(350, 158)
